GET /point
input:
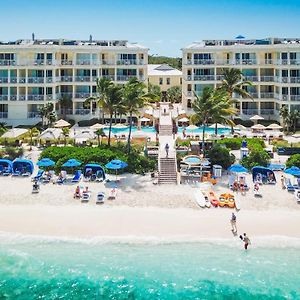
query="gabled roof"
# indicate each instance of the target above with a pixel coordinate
(164, 69)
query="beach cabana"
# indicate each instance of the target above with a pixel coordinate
(22, 166)
(14, 133)
(266, 174)
(93, 171)
(5, 166)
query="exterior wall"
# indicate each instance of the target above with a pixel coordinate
(274, 70)
(38, 74)
(175, 80)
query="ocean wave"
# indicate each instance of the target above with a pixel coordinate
(271, 241)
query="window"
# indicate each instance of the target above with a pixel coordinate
(160, 81)
(168, 81)
(189, 103)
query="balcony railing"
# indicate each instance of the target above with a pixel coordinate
(13, 97)
(126, 77)
(251, 78)
(82, 95)
(82, 111)
(36, 97)
(7, 62)
(35, 79)
(250, 111)
(66, 62)
(13, 80)
(204, 77)
(204, 62)
(82, 78)
(220, 77)
(83, 62)
(33, 115)
(65, 94)
(111, 77)
(266, 95)
(295, 79)
(3, 79)
(266, 78)
(3, 97)
(66, 78)
(3, 115)
(108, 62)
(42, 62)
(245, 62)
(267, 111)
(295, 97)
(22, 79)
(294, 61)
(22, 98)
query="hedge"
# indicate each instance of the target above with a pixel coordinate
(293, 160)
(236, 143)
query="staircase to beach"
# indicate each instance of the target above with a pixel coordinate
(167, 166)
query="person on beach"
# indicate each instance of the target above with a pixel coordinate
(167, 147)
(246, 241)
(282, 181)
(77, 192)
(233, 223)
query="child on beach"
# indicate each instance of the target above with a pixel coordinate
(246, 240)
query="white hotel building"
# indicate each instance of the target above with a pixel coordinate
(272, 64)
(35, 72)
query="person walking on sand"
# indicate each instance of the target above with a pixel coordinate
(233, 223)
(167, 147)
(246, 240)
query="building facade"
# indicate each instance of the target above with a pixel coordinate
(272, 64)
(164, 76)
(35, 72)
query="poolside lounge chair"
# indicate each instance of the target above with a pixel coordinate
(100, 198)
(62, 178)
(113, 194)
(77, 176)
(99, 176)
(86, 196)
(288, 185)
(38, 176)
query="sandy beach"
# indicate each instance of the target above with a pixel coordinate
(142, 209)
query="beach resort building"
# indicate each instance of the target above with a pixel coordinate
(164, 76)
(272, 64)
(35, 72)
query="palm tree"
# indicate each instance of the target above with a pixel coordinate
(47, 113)
(293, 119)
(33, 132)
(135, 97)
(111, 102)
(99, 132)
(65, 132)
(102, 87)
(203, 106)
(233, 83)
(284, 113)
(155, 91)
(174, 94)
(65, 103)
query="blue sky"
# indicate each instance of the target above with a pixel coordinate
(164, 26)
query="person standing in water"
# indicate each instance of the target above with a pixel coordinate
(246, 240)
(233, 223)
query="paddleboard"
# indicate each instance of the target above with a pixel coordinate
(199, 198)
(207, 202)
(237, 203)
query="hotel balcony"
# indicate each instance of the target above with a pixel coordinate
(22, 98)
(110, 77)
(66, 78)
(3, 115)
(33, 115)
(82, 78)
(82, 111)
(65, 94)
(267, 111)
(7, 62)
(250, 111)
(128, 77)
(66, 62)
(86, 62)
(82, 95)
(13, 98)
(266, 78)
(107, 62)
(3, 97)
(204, 77)
(36, 97)
(22, 80)
(35, 79)
(203, 62)
(3, 79)
(251, 78)
(130, 62)
(287, 79)
(295, 97)
(265, 95)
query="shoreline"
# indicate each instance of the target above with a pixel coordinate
(151, 223)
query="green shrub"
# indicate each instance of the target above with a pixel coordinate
(137, 163)
(11, 152)
(219, 155)
(256, 158)
(183, 142)
(236, 143)
(293, 160)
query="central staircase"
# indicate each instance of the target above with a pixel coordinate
(167, 166)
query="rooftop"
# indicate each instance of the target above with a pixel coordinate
(164, 69)
(240, 40)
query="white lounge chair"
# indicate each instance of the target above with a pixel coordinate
(113, 194)
(100, 198)
(86, 196)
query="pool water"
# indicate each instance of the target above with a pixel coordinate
(192, 160)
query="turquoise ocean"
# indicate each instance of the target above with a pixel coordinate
(41, 268)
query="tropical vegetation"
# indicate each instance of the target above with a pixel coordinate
(293, 160)
(219, 155)
(290, 119)
(47, 114)
(175, 62)
(256, 158)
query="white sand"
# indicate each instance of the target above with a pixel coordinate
(143, 210)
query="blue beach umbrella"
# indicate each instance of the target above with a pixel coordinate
(72, 163)
(295, 171)
(116, 165)
(237, 168)
(45, 162)
(239, 37)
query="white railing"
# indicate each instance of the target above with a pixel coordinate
(82, 78)
(3, 115)
(35, 79)
(3, 97)
(266, 78)
(295, 97)
(22, 98)
(251, 78)
(250, 111)
(82, 111)
(3, 79)
(266, 95)
(36, 97)
(267, 111)
(13, 97)
(66, 78)
(82, 95)
(204, 77)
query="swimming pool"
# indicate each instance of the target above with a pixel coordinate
(193, 160)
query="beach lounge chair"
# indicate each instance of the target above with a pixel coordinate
(88, 174)
(113, 194)
(77, 176)
(99, 176)
(38, 176)
(16, 172)
(288, 185)
(297, 196)
(62, 177)
(100, 198)
(6, 171)
(86, 196)
(231, 181)
(46, 178)
(35, 188)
